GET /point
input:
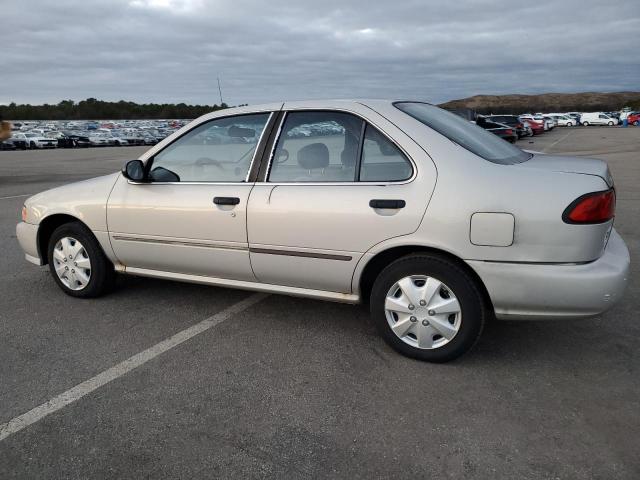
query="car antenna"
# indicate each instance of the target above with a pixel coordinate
(220, 91)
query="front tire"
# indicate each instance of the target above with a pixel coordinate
(77, 262)
(427, 307)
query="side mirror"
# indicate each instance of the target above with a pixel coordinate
(134, 170)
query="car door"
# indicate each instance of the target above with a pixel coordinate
(190, 217)
(337, 183)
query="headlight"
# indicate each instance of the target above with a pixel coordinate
(24, 213)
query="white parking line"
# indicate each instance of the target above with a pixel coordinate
(17, 196)
(117, 371)
(557, 141)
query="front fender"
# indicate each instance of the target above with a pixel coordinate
(85, 200)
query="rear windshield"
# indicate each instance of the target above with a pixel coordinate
(464, 133)
(503, 119)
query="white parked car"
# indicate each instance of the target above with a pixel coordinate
(597, 118)
(118, 141)
(433, 222)
(100, 140)
(37, 140)
(563, 120)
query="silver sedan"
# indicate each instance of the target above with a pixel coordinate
(434, 223)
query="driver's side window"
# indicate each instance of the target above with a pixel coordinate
(220, 150)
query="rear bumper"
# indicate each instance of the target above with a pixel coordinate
(538, 291)
(27, 235)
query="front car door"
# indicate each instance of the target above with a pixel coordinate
(190, 218)
(337, 182)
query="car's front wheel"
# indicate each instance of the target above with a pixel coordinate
(77, 262)
(427, 307)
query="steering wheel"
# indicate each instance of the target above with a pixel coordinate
(283, 156)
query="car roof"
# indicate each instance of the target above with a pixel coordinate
(346, 104)
(313, 103)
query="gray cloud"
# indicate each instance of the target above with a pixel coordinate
(173, 50)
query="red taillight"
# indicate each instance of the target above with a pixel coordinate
(508, 131)
(596, 207)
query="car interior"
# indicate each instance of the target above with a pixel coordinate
(313, 147)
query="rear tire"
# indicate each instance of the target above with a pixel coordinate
(586, 124)
(428, 327)
(73, 247)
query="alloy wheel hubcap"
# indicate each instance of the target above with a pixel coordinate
(72, 264)
(423, 312)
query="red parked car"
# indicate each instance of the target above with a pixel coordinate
(537, 126)
(634, 118)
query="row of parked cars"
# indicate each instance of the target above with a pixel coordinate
(73, 134)
(76, 134)
(514, 127)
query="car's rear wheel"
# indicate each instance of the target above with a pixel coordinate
(610, 124)
(586, 124)
(636, 123)
(77, 262)
(427, 307)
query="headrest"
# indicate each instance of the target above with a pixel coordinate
(314, 155)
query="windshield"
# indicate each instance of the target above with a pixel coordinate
(464, 133)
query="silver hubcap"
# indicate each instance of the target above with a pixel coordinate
(423, 312)
(72, 263)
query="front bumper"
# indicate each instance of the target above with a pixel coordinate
(539, 291)
(27, 235)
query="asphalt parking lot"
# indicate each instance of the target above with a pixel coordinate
(295, 388)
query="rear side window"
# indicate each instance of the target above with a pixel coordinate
(382, 161)
(317, 147)
(329, 146)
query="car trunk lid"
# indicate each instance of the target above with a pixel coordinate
(562, 164)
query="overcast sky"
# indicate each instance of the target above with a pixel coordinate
(173, 50)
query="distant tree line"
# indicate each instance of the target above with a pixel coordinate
(92, 109)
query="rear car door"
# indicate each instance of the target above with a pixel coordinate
(335, 183)
(191, 217)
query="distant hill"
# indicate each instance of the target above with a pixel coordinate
(548, 102)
